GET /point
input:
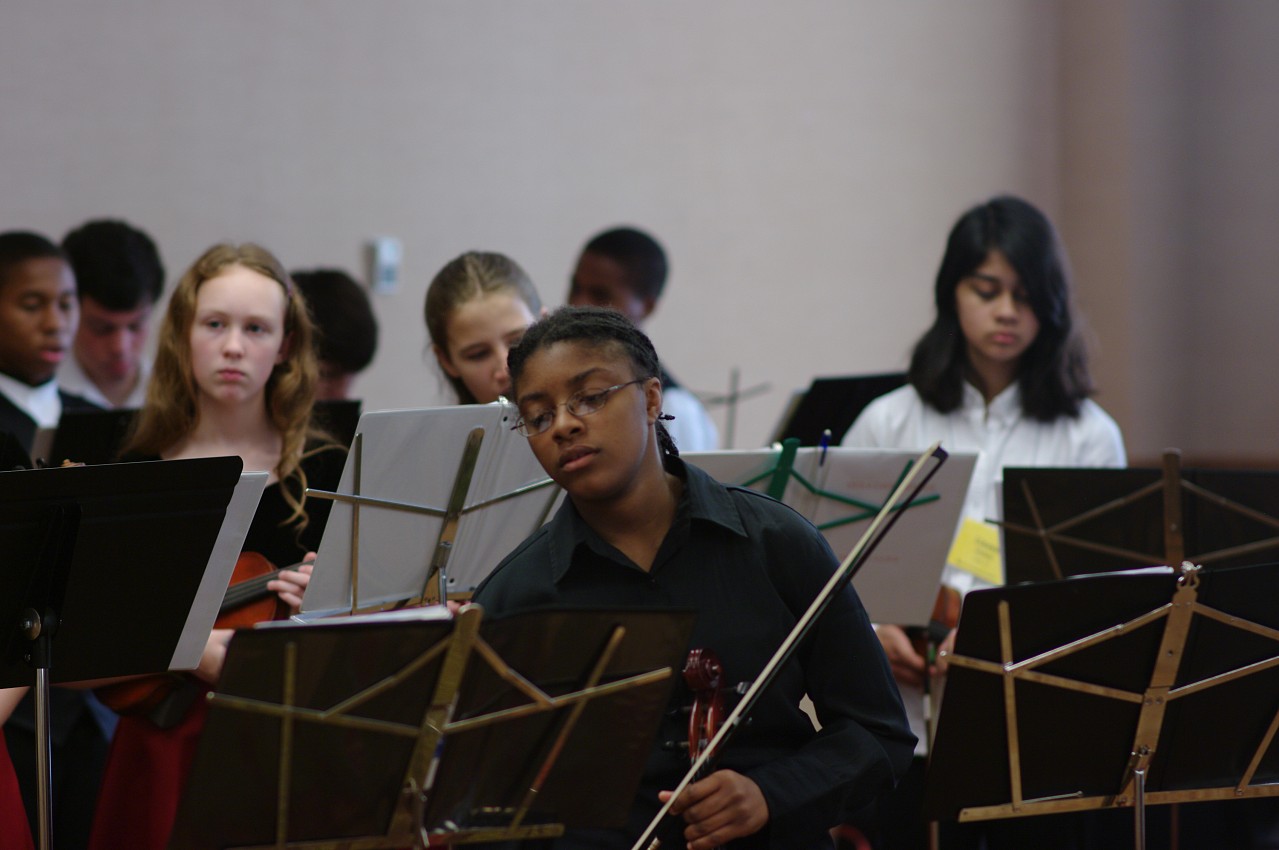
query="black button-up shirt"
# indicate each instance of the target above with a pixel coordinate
(750, 566)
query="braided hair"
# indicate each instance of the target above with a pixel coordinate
(600, 328)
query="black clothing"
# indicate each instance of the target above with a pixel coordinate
(280, 546)
(750, 566)
(16, 421)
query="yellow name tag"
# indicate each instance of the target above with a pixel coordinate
(976, 551)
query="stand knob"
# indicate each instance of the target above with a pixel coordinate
(30, 624)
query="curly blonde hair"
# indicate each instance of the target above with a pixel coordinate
(170, 412)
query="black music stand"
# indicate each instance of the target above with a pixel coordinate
(12, 454)
(102, 566)
(833, 404)
(1106, 691)
(87, 436)
(407, 728)
(1060, 522)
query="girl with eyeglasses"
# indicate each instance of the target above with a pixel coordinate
(641, 528)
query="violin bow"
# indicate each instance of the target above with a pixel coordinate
(915, 479)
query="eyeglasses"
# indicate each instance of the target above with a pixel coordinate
(580, 403)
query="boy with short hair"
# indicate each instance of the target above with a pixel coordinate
(38, 315)
(346, 329)
(624, 269)
(119, 278)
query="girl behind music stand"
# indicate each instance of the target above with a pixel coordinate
(641, 528)
(235, 374)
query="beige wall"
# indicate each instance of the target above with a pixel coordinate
(802, 162)
(1171, 209)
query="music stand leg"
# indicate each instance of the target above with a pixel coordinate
(44, 759)
(1139, 808)
(39, 630)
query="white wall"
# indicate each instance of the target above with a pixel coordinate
(801, 161)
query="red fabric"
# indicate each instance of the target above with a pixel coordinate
(15, 834)
(147, 769)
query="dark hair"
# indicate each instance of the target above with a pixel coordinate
(597, 327)
(346, 330)
(639, 255)
(18, 246)
(1053, 371)
(115, 264)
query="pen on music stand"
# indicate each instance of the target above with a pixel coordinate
(823, 444)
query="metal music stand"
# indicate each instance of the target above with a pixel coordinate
(830, 406)
(85, 436)
(840, 490)
(104, 572)
(1060, 522)
(429, 503)
(1106, 691)
(413, 729)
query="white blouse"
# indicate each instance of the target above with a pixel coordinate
(999, 432)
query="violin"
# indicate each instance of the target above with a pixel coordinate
(704, 675)
(247, 601)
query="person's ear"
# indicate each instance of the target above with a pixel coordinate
(445, 363)
(648, 305)
(653, 398)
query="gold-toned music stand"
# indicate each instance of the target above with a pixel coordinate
(414, 729)
(1111, 691)
(1060, 522)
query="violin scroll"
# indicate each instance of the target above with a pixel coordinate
(704, 675)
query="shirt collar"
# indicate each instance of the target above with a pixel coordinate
(41, 403)
(1005, 407)
(704, 499)
(73, 379)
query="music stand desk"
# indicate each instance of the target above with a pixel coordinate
(105, 574)
(1060, 522)
(1110, 691)
(429, 502)
(411, 728)
(840, 490)
(832, 404)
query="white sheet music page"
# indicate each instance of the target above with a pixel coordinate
(840, 492)
(412, 458)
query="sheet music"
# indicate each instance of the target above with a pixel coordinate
(412, 457)
(899, 583)
(217, 575)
